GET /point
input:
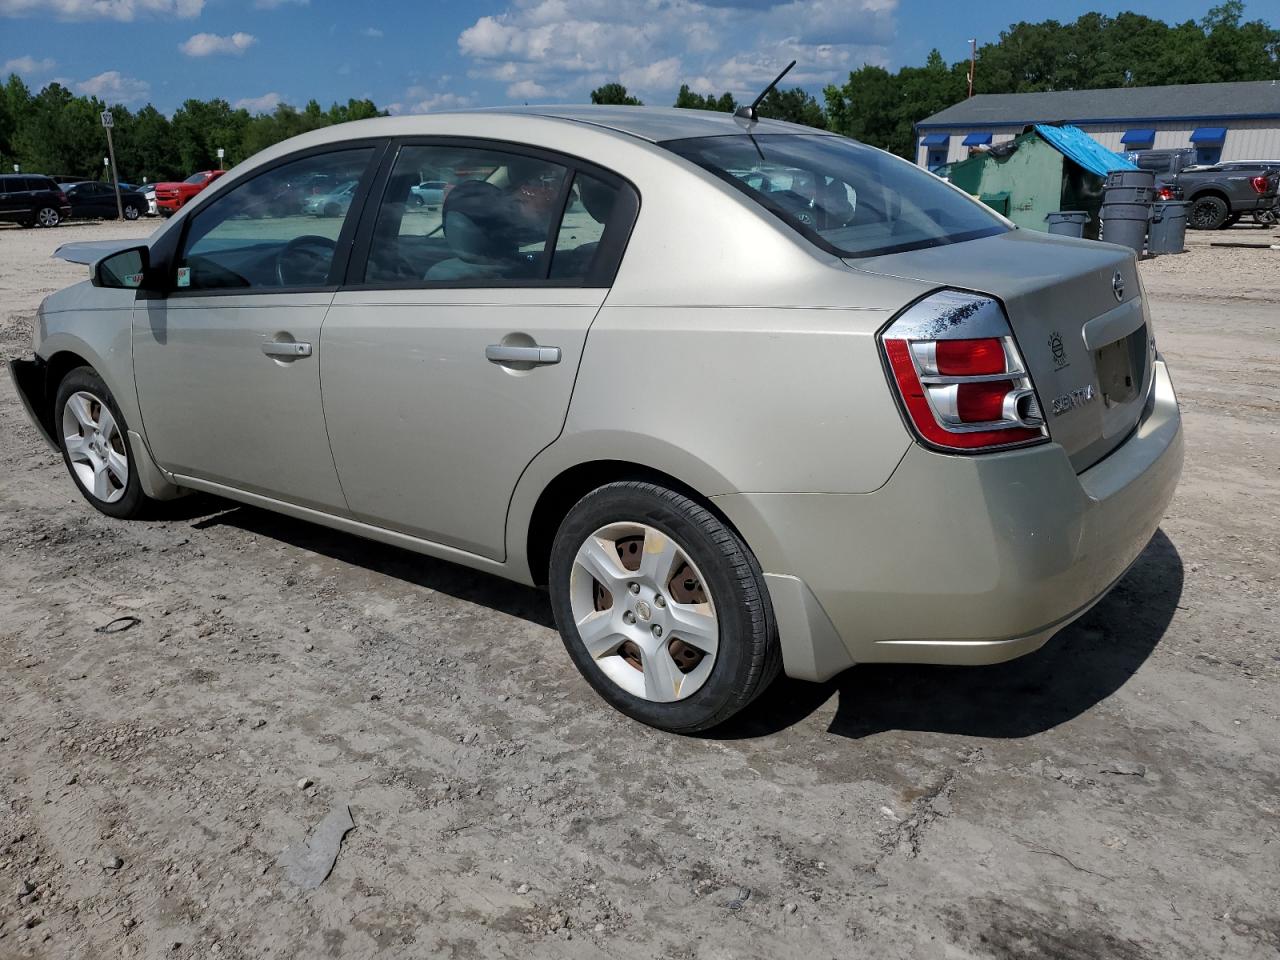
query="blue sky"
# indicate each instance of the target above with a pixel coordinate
(431, 55)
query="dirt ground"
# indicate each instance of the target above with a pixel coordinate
(1116, 795)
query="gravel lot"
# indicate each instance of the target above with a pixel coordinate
(1116, 795)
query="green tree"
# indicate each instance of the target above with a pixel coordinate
(689, 100)
(15, 102)
(795, 106)
(614, 93)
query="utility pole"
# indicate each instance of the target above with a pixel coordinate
(973, 62)
(107, 123)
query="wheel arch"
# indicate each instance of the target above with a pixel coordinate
(532, 527)
(1212, 192)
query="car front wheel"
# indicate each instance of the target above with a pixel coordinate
(95, 445)
(132, 213)
(662, 607)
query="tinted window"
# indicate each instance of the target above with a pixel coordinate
(591, 204)
(848, 198)
(41, 183)
(195, 178)
(492, 223)
(269, 232)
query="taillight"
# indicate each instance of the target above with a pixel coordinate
(1164, 193)
(62, 197)
(1259, 184)
(959, 375)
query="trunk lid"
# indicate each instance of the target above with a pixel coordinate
(1078, 313)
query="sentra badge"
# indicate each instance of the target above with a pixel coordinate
(1076, 398)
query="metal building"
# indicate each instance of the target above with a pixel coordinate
(1222, 121)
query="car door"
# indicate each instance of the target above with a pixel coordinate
(450, 356)
(227, 360)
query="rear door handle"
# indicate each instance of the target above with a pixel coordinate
(286, 349)
(502, 353)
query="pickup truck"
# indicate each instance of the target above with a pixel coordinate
(1221, 193)
(170, 197)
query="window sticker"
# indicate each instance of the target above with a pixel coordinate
(184, 276)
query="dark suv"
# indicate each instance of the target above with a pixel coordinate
(32, 200)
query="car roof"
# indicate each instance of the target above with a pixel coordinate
(656, 124)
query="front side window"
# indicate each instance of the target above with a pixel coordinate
(489, 219)
(272, 232)
(849, 199)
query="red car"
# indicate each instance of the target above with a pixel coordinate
(170, 197)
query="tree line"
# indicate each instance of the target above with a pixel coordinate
(55, 131)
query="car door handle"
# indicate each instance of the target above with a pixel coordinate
(286, 349)
(502, 353)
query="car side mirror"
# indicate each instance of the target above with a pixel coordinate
(126, 270)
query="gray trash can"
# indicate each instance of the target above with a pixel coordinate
(1130, 178)
(1126, 224)
(1168, 227)
(1067, 223)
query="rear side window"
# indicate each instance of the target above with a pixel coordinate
(41, 183)
(849, 199)
(492, 221)
(272, 231)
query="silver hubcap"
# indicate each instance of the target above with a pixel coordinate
(131, 213)
(644, 612)
(95, 447)
(48, 217)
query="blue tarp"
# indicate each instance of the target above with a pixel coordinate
(1076, 145)
(1143, 135)
(973, 139)
(1209, 135)
(935, 139)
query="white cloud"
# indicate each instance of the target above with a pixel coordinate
(263, 104)
(372, 32)
(114, 87)
(526, 90)
(102, 9)
(421, 100)
(210, 44)
(565, 47)
(28, 65)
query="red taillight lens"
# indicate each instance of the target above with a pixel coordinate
(982, 402)
(951, 385)
(1259, 184)
(968, 358)
(1165, 193)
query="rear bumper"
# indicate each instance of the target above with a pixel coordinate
(30, 382)
(962, 560)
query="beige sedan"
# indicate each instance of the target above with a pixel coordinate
(746, 396)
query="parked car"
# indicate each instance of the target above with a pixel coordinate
(91, 199)
(32, 200)
(171, 197)
(429, 193)
(335, 203)
(1220, 193)
(876, 423)
(1220, 196)
(149, 193)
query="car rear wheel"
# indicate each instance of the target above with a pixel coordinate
(48, 217)
(662, 607)
(95, 445)
(1208, 213)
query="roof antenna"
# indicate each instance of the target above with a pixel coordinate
(750, 113)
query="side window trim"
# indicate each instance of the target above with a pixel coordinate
(342, 251)
(603, 270)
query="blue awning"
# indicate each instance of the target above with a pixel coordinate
(973, 139)
(1208, 134)
(935, 139)
(1140, 135)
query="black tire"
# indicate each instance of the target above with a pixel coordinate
(48, 217)
(749, 655)
(134, 503)
(1208, 213)
(332, 210)
(132, 212)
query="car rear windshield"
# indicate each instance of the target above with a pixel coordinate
(849, 199)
